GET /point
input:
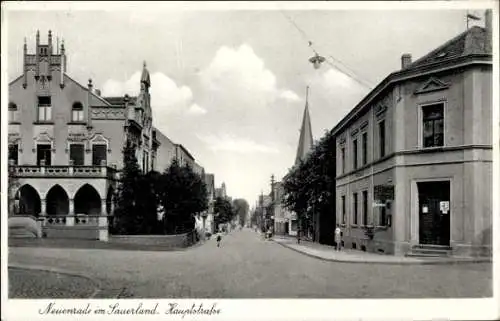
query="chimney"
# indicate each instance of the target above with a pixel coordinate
(405, 60)
(98, 92)
(488, 28)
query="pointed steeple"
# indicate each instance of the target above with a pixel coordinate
(306, 138)
(145, 79)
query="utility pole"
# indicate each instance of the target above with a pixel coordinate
(272, 202)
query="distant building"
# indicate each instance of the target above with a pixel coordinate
(210, 184)
(414, 157)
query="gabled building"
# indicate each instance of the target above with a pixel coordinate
(414, 162)
(66, 144)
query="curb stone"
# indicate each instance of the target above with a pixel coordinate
(414, 262)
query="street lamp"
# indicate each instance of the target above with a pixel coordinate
(317, 60)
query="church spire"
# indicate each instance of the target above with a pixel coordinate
(306, 138)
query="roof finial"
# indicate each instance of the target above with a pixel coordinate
(144, 64)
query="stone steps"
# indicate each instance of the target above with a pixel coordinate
(429, 251)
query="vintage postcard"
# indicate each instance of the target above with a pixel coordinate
(249, 160)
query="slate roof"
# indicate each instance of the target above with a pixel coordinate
(470, 42)
(120, 101)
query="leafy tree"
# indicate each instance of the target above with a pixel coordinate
(127, 216)
(241, 207)
(223, 211)
(12, 188)
(149, 198)
(183, 195)
(309, 185)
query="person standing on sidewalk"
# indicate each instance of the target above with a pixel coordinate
(338, 238)
(219, 239)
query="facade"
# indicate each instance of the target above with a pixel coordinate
(66, 142)
(165, 154)
(414, 157)
(209, 221)
(221, 191)
(281, 214)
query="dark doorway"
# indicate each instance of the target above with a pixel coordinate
(434, 212)
(57, 201)
(87, 201)
(28, 201)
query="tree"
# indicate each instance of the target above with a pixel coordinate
(12, 190)
(308, 186)
(223, 211)
(127, 217)
(240, 206)
(183, 195)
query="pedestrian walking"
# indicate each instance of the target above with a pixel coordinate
(338, 238)
(219, 239)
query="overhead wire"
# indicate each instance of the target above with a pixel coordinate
(348, 72)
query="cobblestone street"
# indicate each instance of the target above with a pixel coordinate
(247, 266)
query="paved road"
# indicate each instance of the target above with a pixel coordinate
(246, 266)
(33, 284)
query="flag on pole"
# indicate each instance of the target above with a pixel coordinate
(472, 17)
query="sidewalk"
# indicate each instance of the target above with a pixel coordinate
(328, 253)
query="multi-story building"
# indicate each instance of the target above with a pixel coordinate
(66, 143)
(414, 157)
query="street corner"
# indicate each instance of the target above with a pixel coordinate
(43, 283)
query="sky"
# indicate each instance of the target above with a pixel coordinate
(230, 85)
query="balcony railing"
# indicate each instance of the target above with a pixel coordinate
(64, 171)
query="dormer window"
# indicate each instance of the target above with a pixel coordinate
(77, 112)
(13, 112)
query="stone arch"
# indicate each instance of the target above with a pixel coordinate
(87, 200)
(57, 201)
(27, 201)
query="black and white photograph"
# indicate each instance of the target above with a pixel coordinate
(195, 152)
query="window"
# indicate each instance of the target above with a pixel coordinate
(355, 201)
(365, 208)
(13, 153)
(98, 154)
(365, 148)
(76, 154)
(44, 108)
(77, 112)
(433, 125)
(355, 154)
(43, 153)
(383, 215)
(342, 153)
(381, 137)
(343, 209)
(12, 112)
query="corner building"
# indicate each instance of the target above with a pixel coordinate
(66, 142)
(414, 157)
